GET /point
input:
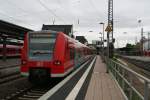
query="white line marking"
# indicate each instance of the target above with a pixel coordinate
(58, 86)
(61, 75)
(73, 94)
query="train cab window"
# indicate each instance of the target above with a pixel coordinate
(41, 46)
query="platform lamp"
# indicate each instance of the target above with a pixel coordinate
(101, 42)
(103, 34)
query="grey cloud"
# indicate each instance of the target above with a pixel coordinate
(32, 14)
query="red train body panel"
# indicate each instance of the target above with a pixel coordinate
(11, 50)
(147, 53)
(51, 52)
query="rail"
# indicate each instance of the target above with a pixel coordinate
(134, 85)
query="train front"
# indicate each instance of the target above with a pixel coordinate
(37, 55)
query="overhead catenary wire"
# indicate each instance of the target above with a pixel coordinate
(93, 5)
(61, 6)
(51, 11)
(59, 2)
(12, 18)
(24, 11)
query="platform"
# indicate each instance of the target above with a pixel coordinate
(102, 86)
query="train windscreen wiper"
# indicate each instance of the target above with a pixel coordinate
(41, 52)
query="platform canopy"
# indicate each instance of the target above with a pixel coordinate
(12, 31)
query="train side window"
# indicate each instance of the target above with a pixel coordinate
(72, 53)
(79, 53)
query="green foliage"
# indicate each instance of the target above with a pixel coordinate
(130, 45)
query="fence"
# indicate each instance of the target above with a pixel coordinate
(134, 85)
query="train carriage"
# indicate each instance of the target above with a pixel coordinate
(47, 54)
(11, 50)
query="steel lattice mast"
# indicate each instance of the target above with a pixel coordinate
(110, 23)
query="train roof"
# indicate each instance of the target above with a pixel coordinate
(44, 31)
(75, 43)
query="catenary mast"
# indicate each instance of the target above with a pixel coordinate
(110, 39)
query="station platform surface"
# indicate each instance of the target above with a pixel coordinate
(102, 86)
(10, 62)
(141, 58)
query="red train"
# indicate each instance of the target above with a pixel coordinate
(11, 50)
(147, 53)
(48, 54)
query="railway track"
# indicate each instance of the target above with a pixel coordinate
(10, 77)
(134, 64)
(142, 64)
(17, 93)
(32, 93)
(10, 66)
(9, 73)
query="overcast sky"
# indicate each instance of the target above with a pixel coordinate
(33, 13)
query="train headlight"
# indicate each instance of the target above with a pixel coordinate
(57, 62)
(23, 62)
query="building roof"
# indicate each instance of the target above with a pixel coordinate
(67, 29)
(81, 39)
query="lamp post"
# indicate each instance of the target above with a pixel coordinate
(103, 35)
(139, 21)
(101, 42)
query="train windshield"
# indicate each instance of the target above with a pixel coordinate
(41, 46)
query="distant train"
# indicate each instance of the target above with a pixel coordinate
(11, 50)
(48, 54)
(147, 53)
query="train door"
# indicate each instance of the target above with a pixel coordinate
(72, 54)
(77, 57)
